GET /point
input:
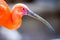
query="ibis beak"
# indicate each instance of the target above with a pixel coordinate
(35, 16)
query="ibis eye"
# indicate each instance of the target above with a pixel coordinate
(23, 8)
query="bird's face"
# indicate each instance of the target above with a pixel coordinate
(20, 9)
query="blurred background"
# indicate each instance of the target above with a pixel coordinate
(32, 29)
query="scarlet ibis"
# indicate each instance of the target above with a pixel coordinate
(13, 19)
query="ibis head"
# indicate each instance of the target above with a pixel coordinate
(22, 10)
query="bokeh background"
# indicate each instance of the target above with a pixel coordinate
(32, 29)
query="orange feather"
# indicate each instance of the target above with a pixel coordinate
(9, 19)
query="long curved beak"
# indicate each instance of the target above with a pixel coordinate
(35, 16)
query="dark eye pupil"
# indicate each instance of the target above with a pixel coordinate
(23, 8)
